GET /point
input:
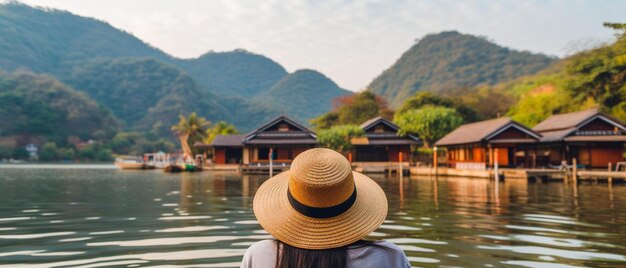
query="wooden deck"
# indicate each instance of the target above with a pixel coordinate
(442, 171)
(530, 174)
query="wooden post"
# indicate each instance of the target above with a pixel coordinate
(610, 178)
(495, 164)
(435, 160)
(271, 166)
(400, 171)
(574, 171)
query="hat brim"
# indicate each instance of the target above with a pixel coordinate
(275, 214)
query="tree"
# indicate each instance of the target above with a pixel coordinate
(353, 109)
(430, 123)
(221, 128)
(426, 98)
(601, 73)
(190, 129)
(339, 137)
(49, 152)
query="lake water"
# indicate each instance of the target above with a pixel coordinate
(96, 216)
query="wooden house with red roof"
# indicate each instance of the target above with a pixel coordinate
(382, 143)
(283, 137)
(595, 139)
(474, 146)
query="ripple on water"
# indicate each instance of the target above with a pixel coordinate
(568, 254)
(174, 241)
(178, 218)
(33, 236)
(191, 229)
(407, 240)
(74, 239)
(400, 227)
(15, 219)
(533, 264)
(107, 232)
(137, 258)
(557, 219)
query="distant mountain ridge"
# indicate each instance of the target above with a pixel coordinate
(139, 83)
(311, 91)
(449, 61)
(235, 73)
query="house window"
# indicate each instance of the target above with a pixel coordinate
(283, 127)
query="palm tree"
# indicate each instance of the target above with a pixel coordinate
(221, 128)
(191, 128)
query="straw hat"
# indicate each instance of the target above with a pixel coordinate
(320, 203)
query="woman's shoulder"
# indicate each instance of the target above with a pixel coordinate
(381, 252)
(261, 252)
(262, 247)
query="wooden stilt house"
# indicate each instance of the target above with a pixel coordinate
(479, 145)
(595, 139)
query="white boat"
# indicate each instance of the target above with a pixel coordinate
(130, 163)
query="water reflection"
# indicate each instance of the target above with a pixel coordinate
(99, 217)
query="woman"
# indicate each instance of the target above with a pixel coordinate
(319, 212)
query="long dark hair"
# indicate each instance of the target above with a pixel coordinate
(292, 257)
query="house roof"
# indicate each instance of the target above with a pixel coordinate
(231, 140)
(263, 135)
(387, 138)
(561, 126)
(483, 131)
(564, 121)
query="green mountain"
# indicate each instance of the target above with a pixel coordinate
(143, 92)
(142, 86)
(45, 40)
(303, 94)
(450, 61)
(235, 73)
(38, 106)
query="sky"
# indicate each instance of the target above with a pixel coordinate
(351, 42)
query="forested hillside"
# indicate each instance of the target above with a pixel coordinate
(38, 107)
(142, 92)
(141, 85)
(293, 94)
(593, 78)
(450, 61)
(236, 73)
(46, 40)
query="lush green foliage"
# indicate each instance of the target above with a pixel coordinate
(430, 123)
(353, 109)
(191, 129)
(339, 137)
(144, 93)
(137, 143)
(593, 78)
(425, 98)
(47, 40)
(221, 128)
(450, 61)
(39, 106)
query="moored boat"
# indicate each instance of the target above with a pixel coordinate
(131, 163)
